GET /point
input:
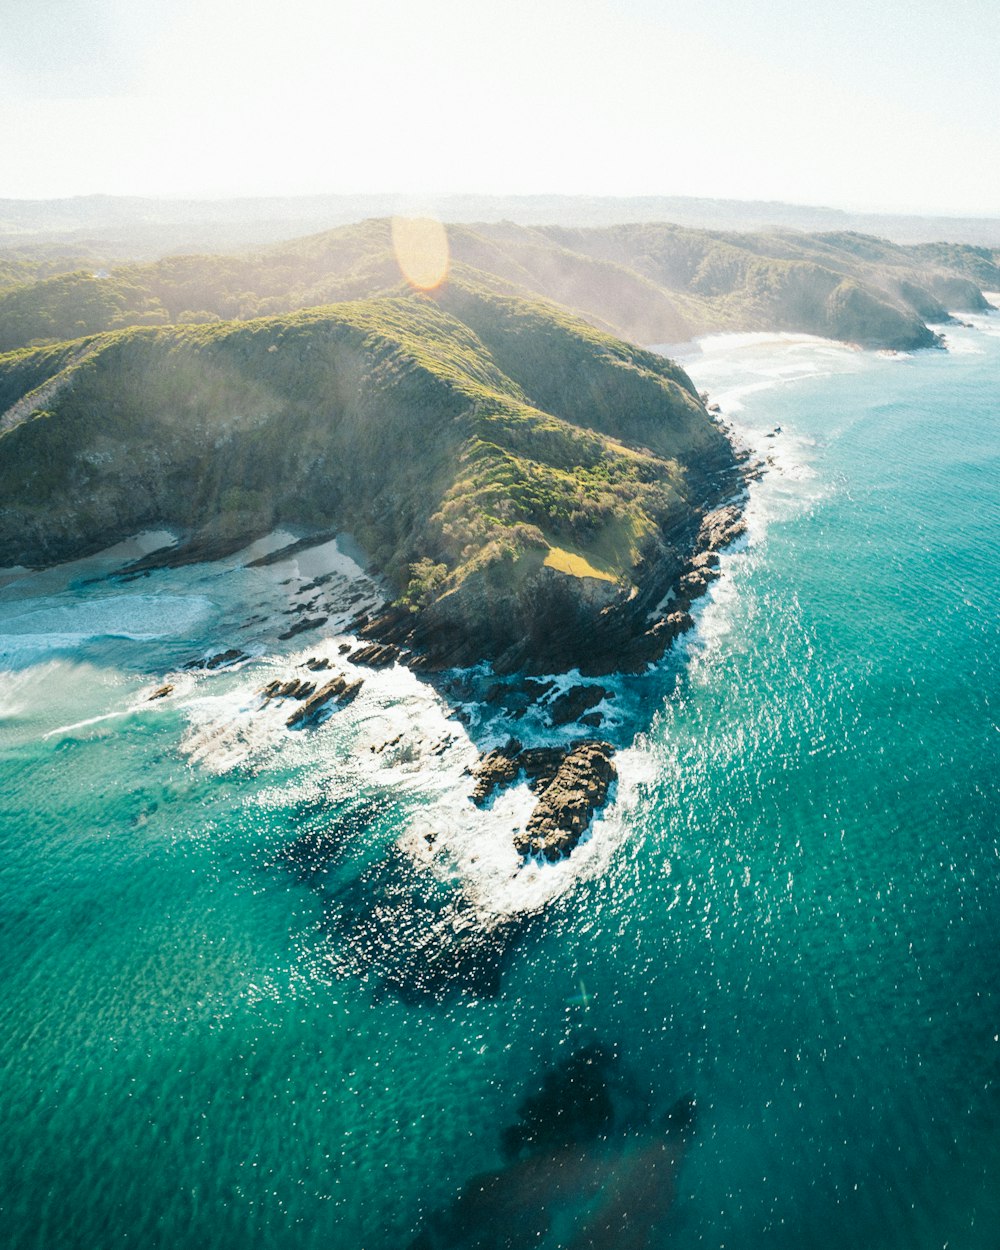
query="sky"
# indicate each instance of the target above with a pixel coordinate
(889, 105)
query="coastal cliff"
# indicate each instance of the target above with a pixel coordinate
(529, 487)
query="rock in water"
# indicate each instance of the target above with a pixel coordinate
(720, 527)
(496, 769)
(300, 627)
(223, 659)
(376, 655)
(566, 806)
(294, 689)
(572, 703)
(571, 782)
(315, 708)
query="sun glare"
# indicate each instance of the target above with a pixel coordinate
(421, 247)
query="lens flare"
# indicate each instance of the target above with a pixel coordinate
(421, 247)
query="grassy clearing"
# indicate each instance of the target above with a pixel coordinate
(574, 565)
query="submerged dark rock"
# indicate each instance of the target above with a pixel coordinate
(223, 659)
(572, 1156)
(517, 696)
(572, 703)
(420, 940)
(300, 627)
(573, 1104)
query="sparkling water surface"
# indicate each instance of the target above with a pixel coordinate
(790, 910)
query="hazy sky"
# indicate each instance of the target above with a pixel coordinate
(859, 103)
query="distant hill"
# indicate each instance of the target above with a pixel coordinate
(652, 284)
(122, 228)
(529, 486)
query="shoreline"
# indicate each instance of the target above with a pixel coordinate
(475, 934)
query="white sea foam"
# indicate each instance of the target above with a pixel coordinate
(961, 343)
(400, 737)
(59, 696)
(455, 839)
(63, 624)
(987, 323)
(86, 723)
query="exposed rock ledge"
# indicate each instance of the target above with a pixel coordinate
(571, 783)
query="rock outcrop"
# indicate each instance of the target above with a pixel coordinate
(340, 690)
(572, 703)
(571, 783)
(567, 804)
(222, 659)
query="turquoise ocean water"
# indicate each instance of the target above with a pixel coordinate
(792, 908)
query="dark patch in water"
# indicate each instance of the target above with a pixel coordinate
(572, 1105)
(327, 844)
(421, 937)
(570, 1167)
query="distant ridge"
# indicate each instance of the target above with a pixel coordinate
(647, 283)
(133, 227)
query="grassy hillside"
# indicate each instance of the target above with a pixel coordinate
(519, 476)
(843, 286)
(645, 283)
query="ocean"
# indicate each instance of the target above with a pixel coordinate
(225, 1021)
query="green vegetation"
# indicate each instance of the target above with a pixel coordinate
(486, 451)
(493, 445)
(645, 283)
(843, 285)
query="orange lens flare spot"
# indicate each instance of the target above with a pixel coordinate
(421, 247)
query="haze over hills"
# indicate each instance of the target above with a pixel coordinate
(123, 228)
(652, 284)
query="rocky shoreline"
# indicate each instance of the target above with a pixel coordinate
(572, 778)
(573, 781)
(548, 742)
(623, 633)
